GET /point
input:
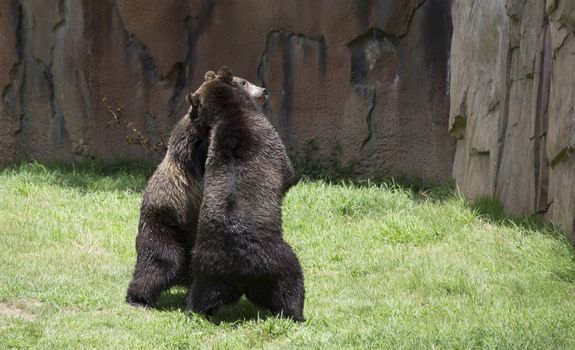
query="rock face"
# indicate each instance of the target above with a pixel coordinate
(10, 106)
(513, 105)
(82, 79)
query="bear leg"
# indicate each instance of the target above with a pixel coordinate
(205, 297)
(283, 296)
(158, 267)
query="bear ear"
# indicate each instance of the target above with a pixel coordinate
(210, 75)
(225, 74)
(193, 99)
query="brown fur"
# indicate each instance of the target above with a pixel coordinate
(170, 208)
(169, 216)
(239, 248)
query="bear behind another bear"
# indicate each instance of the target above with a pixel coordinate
(169, 216)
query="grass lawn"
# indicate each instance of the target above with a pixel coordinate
(386, 266)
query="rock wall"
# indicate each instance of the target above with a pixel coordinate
(10, 104)
(513, 105)
(83, 79)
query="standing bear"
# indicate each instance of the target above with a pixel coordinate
(170, 208)
(239, 247)
(169, 216)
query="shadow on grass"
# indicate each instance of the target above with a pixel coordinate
(418, 189)
(86, 175)
(132, 176)
(490, 209)
(172, 300)
(242, 311)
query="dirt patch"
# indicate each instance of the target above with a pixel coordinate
(30, 303)
(20, 310)
(72, 309)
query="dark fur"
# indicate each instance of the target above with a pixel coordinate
(169, 216)
(239, 248)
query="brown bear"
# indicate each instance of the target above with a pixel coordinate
(239, 248)
(170, 207)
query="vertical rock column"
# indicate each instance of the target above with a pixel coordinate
(561, 128)
(479, 59)
(10, 79)
(512, 105)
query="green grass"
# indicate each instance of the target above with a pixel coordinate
(385, 266)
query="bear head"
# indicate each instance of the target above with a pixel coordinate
(221, 91)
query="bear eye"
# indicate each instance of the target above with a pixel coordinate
(244, 82)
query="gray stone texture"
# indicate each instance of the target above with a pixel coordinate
(512, 105)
